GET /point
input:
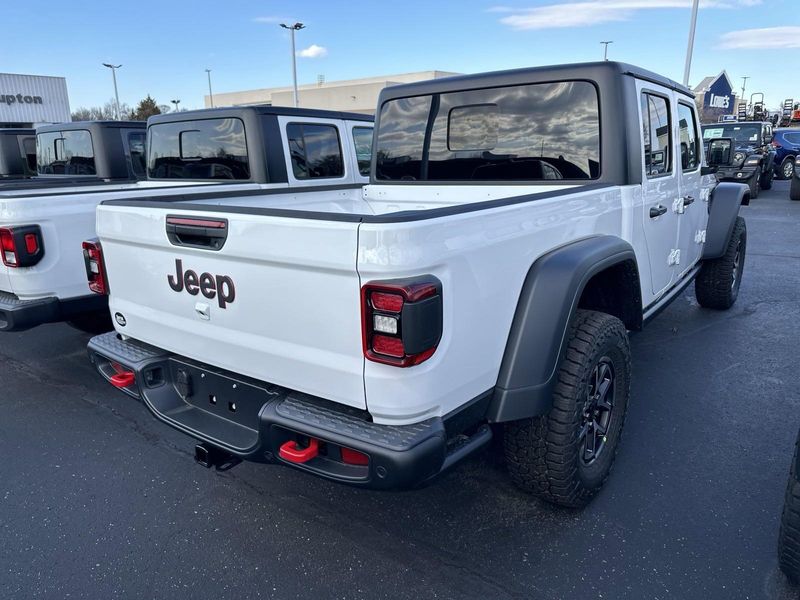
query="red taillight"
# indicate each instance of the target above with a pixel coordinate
(9, 247)
(401, 320)
(21, 246)
(776, 144)
(354, 457)
(95, 268)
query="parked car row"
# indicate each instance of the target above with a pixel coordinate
(373, 308)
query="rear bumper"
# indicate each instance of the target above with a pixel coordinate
(19, 315)
(252, 419)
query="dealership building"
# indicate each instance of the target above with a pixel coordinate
(32, 100)
(352, 95)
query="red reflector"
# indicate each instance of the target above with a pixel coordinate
(31, 243)
(123, 380)
(354, 457)
(389, 346)
(293, 453)
(387, 302)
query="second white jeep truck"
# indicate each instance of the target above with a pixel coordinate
(516, 226)
(255, 148)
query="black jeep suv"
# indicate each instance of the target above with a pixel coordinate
(752, 158)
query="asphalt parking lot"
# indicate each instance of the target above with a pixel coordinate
(98, 500)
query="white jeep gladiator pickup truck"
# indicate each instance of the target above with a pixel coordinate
(516, 226)
(43, 277)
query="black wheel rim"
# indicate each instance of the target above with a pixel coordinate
(788, 170)
(597, 410)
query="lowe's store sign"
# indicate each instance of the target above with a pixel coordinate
(32, 100)
(719, 95)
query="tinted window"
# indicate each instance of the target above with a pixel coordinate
(136, 147)
(65, 153)
(690, 154)
(792, 138)
(515, 133)
(29, 150)
(315, 150)
(205, 149)
(656, 135)
(362, 137)
(743, 134)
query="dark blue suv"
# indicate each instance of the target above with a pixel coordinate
(787, 146)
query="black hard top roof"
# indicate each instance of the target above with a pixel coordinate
(91, 125)
(17, 131)
(231, 111)
(593, 71)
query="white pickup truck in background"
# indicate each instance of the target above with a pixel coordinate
(43, 277)
(516, 226)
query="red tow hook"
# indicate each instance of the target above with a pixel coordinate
(293, 453)
(123, 380)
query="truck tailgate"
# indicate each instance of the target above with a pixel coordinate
(280, 303)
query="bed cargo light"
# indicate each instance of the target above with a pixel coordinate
(21, 246)
(401, 320)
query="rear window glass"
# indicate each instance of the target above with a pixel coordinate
(65, 153)
(29, 152)
(204, 149)
(516, 133)
(136, 147)
(315, 150)
(362, 138)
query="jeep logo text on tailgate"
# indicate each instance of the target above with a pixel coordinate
(211, 286)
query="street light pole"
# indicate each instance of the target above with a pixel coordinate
(744, 83)
(690, 48)
(605, 49)
(176, 103)
(116, 93)
(210, 94)
(293, 28)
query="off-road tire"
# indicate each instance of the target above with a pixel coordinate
(765, 181)
(789, 536)
(545, 454)
(95, 323)
(794, 189)
(755, 187)
(717, 283)
(783, 169)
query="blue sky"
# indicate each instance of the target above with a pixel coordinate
(164, 47)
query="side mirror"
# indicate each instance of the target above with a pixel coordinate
(720, 152)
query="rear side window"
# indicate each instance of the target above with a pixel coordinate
(362, 138)
(65, 153)
(203, 149)
(315, 150)
(690, 150)
(656, 135)
(792, 138)
(136, 147)
(532, 132)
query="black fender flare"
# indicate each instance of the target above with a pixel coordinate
(547, 304)
(723, 208)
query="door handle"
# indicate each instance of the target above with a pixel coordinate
(687, 200)
(657, 211)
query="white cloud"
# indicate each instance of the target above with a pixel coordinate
(595, 12)
(313, 51)
(767, 38)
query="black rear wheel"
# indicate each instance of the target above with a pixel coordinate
(766, 179)
(566, 455)
(794, 190)
(789, 536)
